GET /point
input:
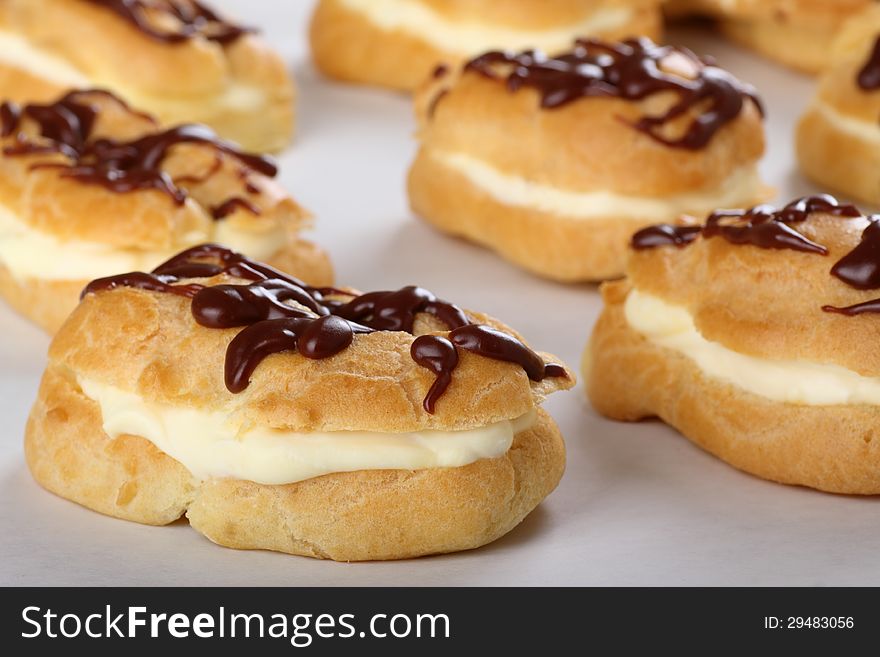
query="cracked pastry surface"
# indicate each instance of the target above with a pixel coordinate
(554, 162)
(748, 334)
(91, 187)
(838, 138)
(174, 58)
(792, 32)
(397, 43)
(276, 415)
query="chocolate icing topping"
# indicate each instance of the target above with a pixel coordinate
(66, 128)
(762, 226)
(869, 75)
(280, 313)
(631, 70)
(192, 18)
(665, 235)
(860, 269)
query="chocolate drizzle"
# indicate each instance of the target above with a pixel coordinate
(765, 227)
(631, 70)
(869, 75)
(66, 128)
(762, 226)
(860, 269)
(665, 235)
(192, 18)
(230, 205)
(142, 281)
(438, 354)
(280, 313)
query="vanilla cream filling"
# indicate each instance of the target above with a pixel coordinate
(789, 381)
(16, 51)
(236, 97)
(742, 186)
(29, 253)
(865, 130)
(211, 445)
(418, 20)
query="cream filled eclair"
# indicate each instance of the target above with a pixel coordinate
(838, 138)
(792, 32)
(275, 415)
(397, 43)
(177, 59)
(90, 187)
(554, 162)
(750, 334)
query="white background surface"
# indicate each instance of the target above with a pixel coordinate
(639, 505)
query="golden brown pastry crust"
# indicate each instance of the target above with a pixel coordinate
(469, 114)
(792, 32)
(183, 82)
(374, 385)
(347, 46)
(759, 302)
(829, 155)
(145, 220)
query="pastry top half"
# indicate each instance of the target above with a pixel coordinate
(178, 58)
(634, 117)
(88, 172)
(795, 284)
(214, 332)
(851, 82)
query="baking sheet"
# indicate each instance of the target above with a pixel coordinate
(639, 505)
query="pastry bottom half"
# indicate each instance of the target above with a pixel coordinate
(548, 244)
(347, 46)
(350, 516)
(48, 303)
(837, 159)
(831, 448)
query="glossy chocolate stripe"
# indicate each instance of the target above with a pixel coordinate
(762, 226)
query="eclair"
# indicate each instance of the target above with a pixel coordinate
(279, 416)
(90, 187)
(177, 59)
(838, 139)
(398, 43)
(791, 32)
(751, 334)
(554, 162)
